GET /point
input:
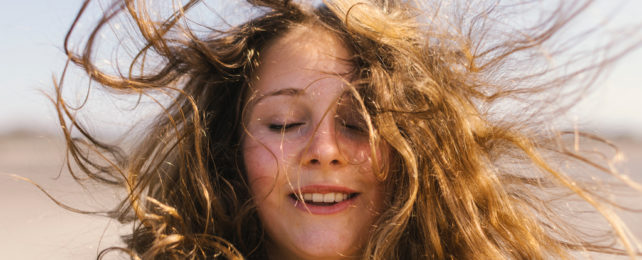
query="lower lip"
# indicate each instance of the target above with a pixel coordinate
(324, 210)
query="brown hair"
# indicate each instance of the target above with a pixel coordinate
(465, 181)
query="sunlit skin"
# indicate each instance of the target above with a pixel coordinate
(305, 136)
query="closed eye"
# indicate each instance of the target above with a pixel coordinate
(284, 127)
(355, 127)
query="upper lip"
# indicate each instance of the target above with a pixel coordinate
(323, 189)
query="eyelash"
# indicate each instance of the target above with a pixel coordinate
(355, 127)
(286, 127)
(283, 127)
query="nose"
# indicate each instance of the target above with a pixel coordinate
(322, 149)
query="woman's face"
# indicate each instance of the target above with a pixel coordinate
(307, 151)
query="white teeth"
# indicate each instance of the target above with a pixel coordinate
(325, 198)
(328, 197)
(317, 197)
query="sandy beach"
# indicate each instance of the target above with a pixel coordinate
(33, 227)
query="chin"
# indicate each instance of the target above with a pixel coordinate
(320, 245)
(318, 253)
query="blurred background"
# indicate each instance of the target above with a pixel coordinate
(34, 227)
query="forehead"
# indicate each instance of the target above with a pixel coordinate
(304, 57)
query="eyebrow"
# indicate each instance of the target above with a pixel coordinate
(281, 92)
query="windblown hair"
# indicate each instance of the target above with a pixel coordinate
(468, 178)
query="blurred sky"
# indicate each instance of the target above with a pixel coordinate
(33, 31)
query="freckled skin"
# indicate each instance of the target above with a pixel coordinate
(315, 149)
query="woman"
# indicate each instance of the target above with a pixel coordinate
(356, 129)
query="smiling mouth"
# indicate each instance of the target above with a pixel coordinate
(323, 199)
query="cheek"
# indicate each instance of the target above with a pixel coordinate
(261, 167)
(266, 165)
(356, 151)
(373, 170)
(361, 153)
(383, 157)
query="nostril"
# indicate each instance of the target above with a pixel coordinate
(334, 162)
(314, 161)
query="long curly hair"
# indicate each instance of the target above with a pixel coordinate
(456, 91)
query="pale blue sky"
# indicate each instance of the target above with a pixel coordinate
(33, 31)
